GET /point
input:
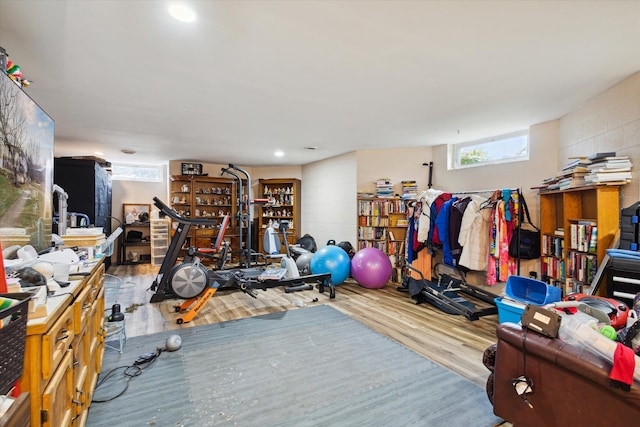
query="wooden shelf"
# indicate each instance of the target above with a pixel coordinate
(205, 197)
(564, 208)
(378, 227)
(285, 193)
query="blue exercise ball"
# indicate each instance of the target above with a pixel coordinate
(371, 268)
(331, 259)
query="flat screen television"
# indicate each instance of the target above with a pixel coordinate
(26, 168)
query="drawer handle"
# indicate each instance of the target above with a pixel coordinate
(63, 337)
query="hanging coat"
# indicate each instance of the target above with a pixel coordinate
(455, 220)
(474, 236)
(442, 227)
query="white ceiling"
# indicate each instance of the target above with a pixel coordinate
(250, 77)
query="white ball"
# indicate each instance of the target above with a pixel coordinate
(174, 342)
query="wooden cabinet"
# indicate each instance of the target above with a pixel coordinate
(18, 415)
(283, 195)
(562, 213)
(63, 353)
(382, 224)
(211, 198)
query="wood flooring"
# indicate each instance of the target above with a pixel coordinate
(450, 340)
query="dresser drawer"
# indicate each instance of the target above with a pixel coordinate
(56, 342)
(57, 398)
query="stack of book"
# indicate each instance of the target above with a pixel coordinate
(597, 169)
(384, 188)
(573, 174)
(607, 168)
(409, 190)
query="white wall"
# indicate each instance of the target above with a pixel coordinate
(608, 122)
(137, 193)
(329, 199)
(397, 164)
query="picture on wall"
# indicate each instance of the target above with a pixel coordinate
(26, 168)
(136, 212)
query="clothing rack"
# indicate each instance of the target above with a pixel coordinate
(512, 190)
(518, 191)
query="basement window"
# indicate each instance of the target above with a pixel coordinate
(145, 173)
(513, 147)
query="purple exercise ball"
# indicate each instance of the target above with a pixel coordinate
(371, 268)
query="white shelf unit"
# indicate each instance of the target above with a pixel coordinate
(159, 240)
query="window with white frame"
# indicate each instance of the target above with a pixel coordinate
(512, 147)
(146, 173)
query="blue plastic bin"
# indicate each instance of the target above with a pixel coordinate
(509, 311)
(531, 291)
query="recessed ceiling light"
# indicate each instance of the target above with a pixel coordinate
(182, 13)
(98, 153)
(127, 151)
(279, 153)
(311, 148)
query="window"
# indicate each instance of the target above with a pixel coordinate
(513, 147)
(148, 173)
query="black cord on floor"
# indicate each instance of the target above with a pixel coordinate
(142, 363)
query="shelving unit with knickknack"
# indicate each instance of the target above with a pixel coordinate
(382, 223)
(577, 225)
(283, 195)
(210, 198)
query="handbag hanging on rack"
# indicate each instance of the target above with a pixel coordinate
(525, 242)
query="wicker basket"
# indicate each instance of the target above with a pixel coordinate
(13, 337)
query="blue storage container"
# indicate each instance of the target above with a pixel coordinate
(509, 310)
(531, 291)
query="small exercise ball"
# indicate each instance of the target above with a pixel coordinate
(331, 259)
(371, 268)
(303, 262)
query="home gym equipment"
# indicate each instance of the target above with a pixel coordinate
(189, 277)
(333, 260)
(303, 261)
(196, 284)
(173, 343)
(371, 268)
(445, 293)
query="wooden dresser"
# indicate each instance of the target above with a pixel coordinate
(64, 350)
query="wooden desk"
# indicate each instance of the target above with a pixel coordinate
(64, 350)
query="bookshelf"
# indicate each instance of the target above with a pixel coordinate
(578, 225)
(382, 224)
(284, 204)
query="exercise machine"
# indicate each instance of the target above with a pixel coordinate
(196, 284)
(445, 294)
(190, 273)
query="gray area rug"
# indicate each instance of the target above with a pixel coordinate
(308, 367)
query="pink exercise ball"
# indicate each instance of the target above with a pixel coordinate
(371, 268)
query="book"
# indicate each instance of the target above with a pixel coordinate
(597, 156)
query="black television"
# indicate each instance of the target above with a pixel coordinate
(26, 168)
